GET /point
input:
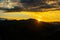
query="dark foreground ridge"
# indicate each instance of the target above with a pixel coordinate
(28, 30)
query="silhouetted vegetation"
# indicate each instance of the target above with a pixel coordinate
(28, 29)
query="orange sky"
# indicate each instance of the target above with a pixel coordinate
(49, 16)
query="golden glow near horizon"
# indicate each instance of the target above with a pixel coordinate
(49, 16)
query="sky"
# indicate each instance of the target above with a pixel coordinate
(49, 16)
(46, 16)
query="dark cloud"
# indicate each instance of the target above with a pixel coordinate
(31, 5)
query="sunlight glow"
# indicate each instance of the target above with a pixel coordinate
(49, 16)
(38, 20)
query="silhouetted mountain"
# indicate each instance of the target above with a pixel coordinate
(29, 29)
